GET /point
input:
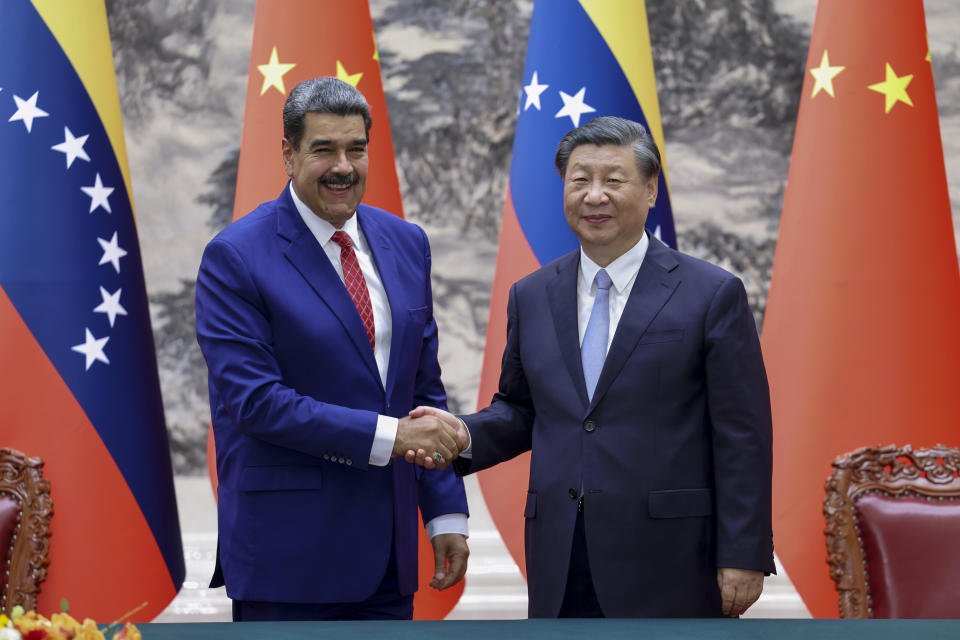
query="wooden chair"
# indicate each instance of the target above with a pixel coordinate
(893, 532)
(25, 511)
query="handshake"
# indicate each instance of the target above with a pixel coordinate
(430, 437)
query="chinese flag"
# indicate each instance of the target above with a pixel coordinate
(862, 331)
(295, 40)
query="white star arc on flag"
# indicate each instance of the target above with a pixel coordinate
(533, 91)
(99, 195)
(92, 348)
(110, 305)
(574, 106)
(111, 252)
(27, 110)
(72, 147)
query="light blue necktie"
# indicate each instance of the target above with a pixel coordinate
(593, 351)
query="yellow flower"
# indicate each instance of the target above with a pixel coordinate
(89, 631)
(29, 621)
(129, 632)
(65, 626)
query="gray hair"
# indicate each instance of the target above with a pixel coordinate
(322, 95)
(610, 130)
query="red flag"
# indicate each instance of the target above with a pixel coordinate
(862, 331)
(294, 41)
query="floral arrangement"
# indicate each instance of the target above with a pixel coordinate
(30, 625)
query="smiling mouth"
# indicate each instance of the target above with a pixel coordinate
(597, 218)
(338, 183)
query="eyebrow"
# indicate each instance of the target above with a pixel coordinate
(606, 167)
(324, 142)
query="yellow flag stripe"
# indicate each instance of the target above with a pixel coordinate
(80, 26)
(623, 24)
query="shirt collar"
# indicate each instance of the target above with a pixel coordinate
(621, 270)
(320, 228)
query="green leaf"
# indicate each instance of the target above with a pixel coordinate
(17, 612)
(64, 605)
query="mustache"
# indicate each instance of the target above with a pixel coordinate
(348, 179)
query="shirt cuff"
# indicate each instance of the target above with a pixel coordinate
(468, 452)
(383, 439)
(448, 523)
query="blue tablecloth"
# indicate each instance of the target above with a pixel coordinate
(565, 629)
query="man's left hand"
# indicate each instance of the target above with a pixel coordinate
(450, 555)
(739, 588)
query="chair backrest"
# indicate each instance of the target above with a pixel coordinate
(893, 532)
(25, 511)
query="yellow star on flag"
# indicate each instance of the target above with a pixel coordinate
(273, 73)
(350, 78)
(824, 75)
(376, 52)
(893, 88)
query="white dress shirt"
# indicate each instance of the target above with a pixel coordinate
(386, 433)
(622, 271)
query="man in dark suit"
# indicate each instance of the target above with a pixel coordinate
(634, 375)
(314, 314)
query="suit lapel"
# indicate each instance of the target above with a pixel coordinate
(385, 258)
(562, 295)
(312, 262)
(653, 287)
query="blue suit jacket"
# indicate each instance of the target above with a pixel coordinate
(673, 452)
(295, 394)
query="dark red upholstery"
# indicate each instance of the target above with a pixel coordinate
(911, 548)
(893, 532)
(9, 518)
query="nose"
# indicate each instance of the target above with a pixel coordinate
(342, 165)
(595, 193)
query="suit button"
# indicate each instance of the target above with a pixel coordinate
(573, 493)
(349, 462)
(341, 460)
(326, 456)
(589, 426)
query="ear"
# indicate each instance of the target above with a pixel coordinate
(653, 184)
(288, 153)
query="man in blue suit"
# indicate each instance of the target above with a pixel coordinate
(314, 314)
(633, 374)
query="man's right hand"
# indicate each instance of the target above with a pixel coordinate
(421, 456)
(429, 434)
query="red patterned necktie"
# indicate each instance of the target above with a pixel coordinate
(355, 283)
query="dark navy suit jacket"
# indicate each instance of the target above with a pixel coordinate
(673, 453)
(295, 394)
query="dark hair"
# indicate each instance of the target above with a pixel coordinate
(322, 95)
(610, 130)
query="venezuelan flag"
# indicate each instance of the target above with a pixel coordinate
(78, 374)
(584, 60)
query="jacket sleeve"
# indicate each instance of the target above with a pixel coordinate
(503, 430)
(739, 405)
(235, 336)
